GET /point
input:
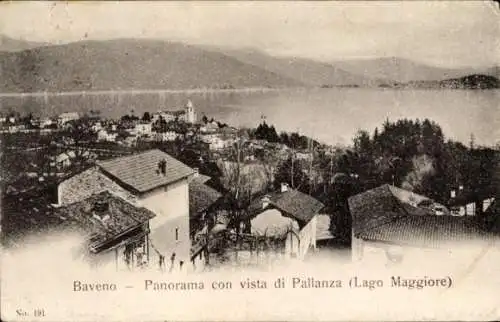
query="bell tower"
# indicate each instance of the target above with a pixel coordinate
(190, 113)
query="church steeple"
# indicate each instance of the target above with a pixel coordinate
(190, 114)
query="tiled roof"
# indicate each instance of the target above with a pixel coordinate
(385, 214)
(140, 171)
(87, 183)
(201, 197)
(380, 205)
(427, 231)
(123, 217)
(201, 178)
(292, 202)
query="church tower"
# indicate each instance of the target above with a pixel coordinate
(190, 113)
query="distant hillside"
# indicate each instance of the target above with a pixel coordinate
(127, 64)
(306, 71)
(475, 81)
(9, 44)
(403, 70)
(156, 64)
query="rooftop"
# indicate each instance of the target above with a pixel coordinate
(201, 197)
(118, 217)
(140, 172)
(391, 214)
(292, 202)
(380, 205)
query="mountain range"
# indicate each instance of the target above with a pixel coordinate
(157, 64)
(393, 69)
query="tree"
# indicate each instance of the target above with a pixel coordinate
(343, 188)
(293, 172)
(284, 139)
(146, 117)
(26, 120)
(238, 185)
(204, 119)
(269, 161)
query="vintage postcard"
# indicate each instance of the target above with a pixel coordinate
(250, 161)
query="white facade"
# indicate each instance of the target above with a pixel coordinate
(170, 228)
(167, 136)
(66, 117)
(63, 160)
(190, 114)
(46, 122)
(297, 241)
(104, 135)
(167, 116)
(210, 128)
(217, 143)
(298, 244)
(97, 127)
(143, 129)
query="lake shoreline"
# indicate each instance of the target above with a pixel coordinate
(150, 91)
(229, 90)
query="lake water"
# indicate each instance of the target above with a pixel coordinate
(331, 115)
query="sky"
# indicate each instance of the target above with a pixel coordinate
(441, 33)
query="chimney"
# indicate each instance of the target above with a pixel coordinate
(196, 172)
(162, 167)
(265, 202)
(284, 187)
(101, 208)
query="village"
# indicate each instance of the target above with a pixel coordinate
(173, 191)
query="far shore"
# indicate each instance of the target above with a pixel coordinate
(149, 91)
(46, 94)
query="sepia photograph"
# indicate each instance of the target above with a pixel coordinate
(250, 161)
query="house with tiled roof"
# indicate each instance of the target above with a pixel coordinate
(288, 215)
(67, 117)
(153, 180)
(388, 222)
(467, 202)
(115, 231)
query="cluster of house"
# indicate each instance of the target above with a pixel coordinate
(214, 136)
(15, 124)
(109, 131)
(218, 138)
(150, 209)
(65, 159)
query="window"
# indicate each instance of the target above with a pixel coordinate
(177, 234)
